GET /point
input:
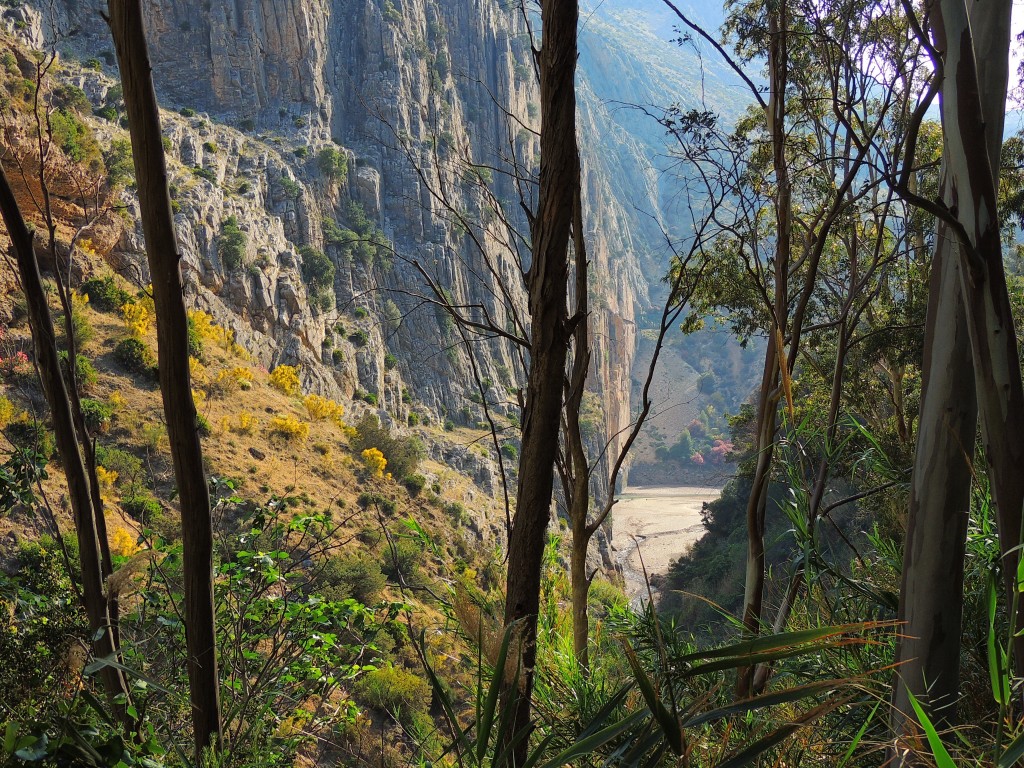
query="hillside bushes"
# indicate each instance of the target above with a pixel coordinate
(403, 454)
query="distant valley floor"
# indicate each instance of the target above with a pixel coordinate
(657, 525)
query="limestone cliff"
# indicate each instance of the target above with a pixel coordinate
(432, 102)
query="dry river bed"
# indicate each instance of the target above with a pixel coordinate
(657, 525)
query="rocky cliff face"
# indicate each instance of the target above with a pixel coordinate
(432, 102)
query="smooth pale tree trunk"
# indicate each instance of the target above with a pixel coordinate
(767, 408)
(931, 590)
(547, 284)
(956, 369)
(126, 24)
(87, 515)
(969, 110)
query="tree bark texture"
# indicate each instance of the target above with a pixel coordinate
(971, 109)
(767, 408)
(970, 351)
(126, 24)
(546, 280)
(578, 475)
(86, 514)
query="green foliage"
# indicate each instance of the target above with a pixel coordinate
(76, 139)
(85, 372)
(232, 245)
(290, 187)
(187, 112)
(81, 328)
(120, 164)
(70, 97)
(333, 164)
(136, 358)
(414, 483)
(205, 173)
(143, 507)
(317, 269)
(104, 294)
(394, 690)
(353, 574)
(97, 415)
(359, 337)
(403, 454)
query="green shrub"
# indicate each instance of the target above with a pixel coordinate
(142, 507)
(353, 574)
(205, 173)
(120, 165)
(187, 112)
(414, 484)
(136, 358)
(301, 152)
(414, 419)
(317, 269)
(128, 466)
(76, 139)
(333, 164)
(203, 425)
(31, 434)
(370, 398)
(337, 357)
(367, 500)
(359, 337)
(97, 415)
(390, 361)
(361, 313)
(70, 97)
(403, 454)
(211, 147)
(196, 345)
(104, 294)
(291, 187)
(81, 328)
(393, 689)
(231, 247)
(85, 372)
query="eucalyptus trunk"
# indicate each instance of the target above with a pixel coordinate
(775, 358)
(547, 286)
(126, 24)
(970, 361)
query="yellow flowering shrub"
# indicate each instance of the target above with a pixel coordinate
(289, 427)
(198, 372)
(286, 379)
(241, 375)
(117, 401)
(137, 318)
(203, 326)
(322, 408)
(106, 479)
(245, 423)
(374, 461)
(6, 411)
(123, 542)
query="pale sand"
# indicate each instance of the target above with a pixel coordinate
(663, 522)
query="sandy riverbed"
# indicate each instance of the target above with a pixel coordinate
(662, 522)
